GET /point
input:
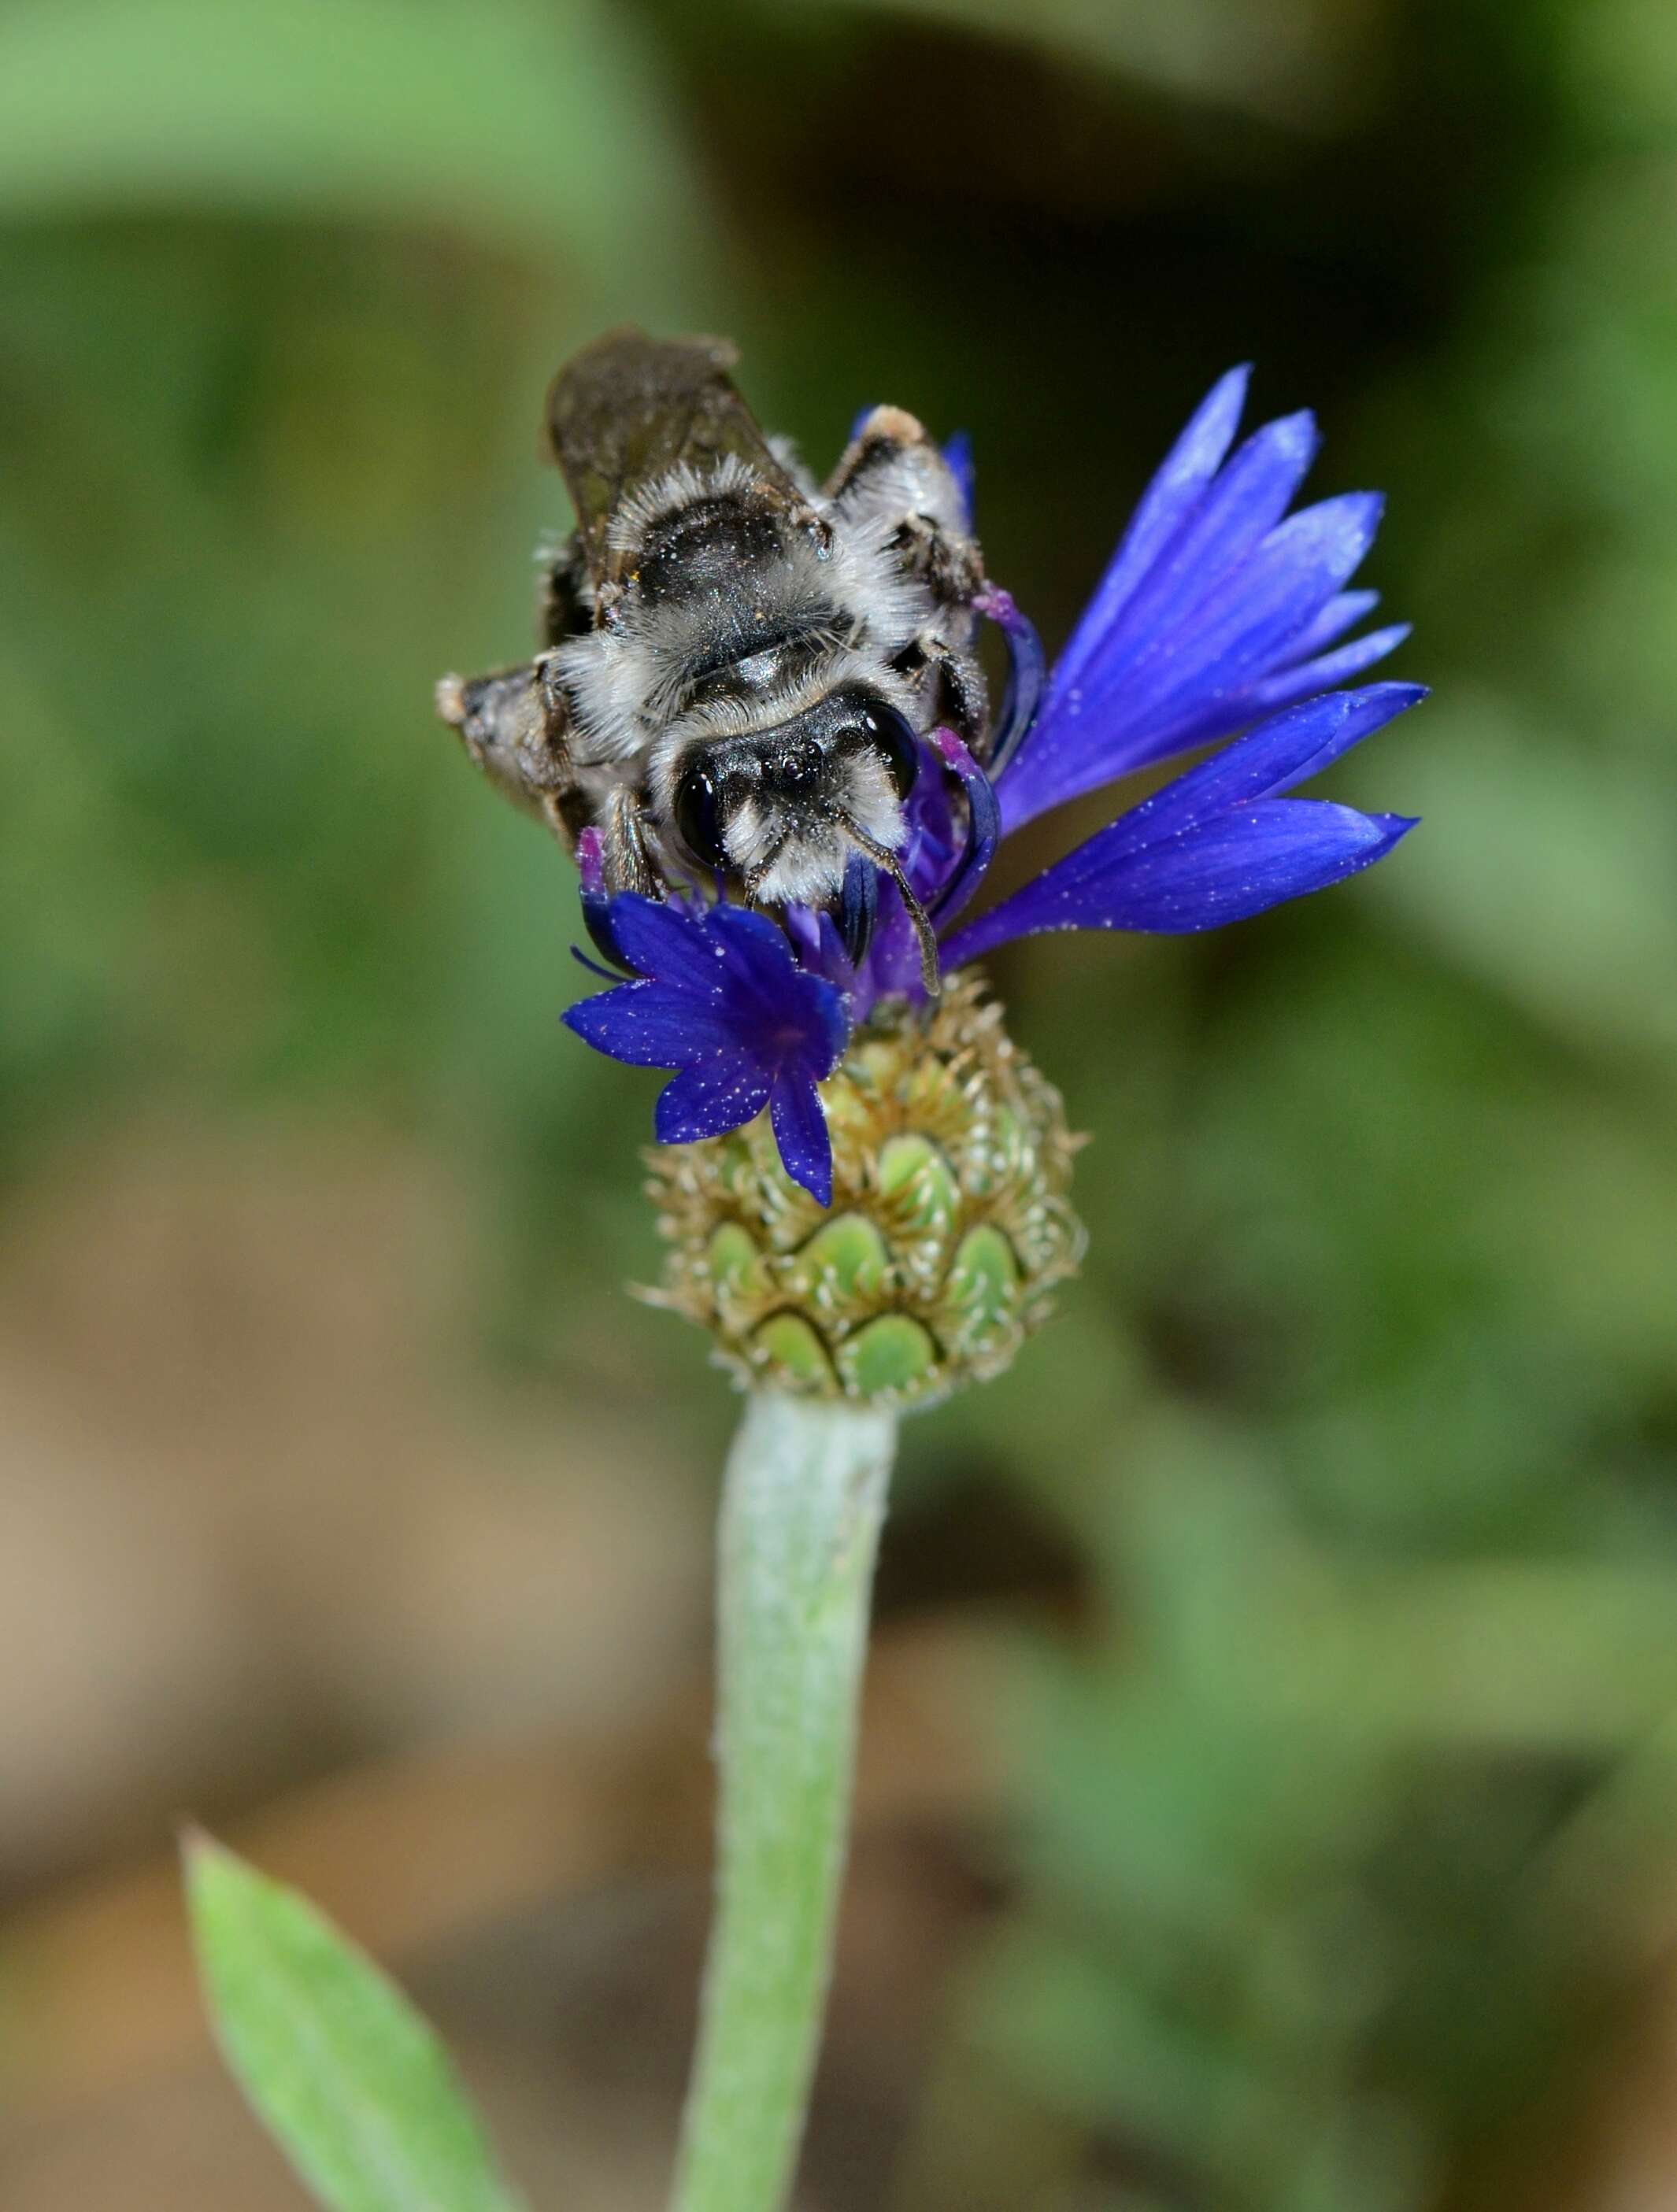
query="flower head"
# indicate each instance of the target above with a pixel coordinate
(1222, 620)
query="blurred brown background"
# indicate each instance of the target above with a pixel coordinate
(1271, 1801)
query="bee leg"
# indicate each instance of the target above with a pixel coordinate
(893, 473)
(951, 685)
(512, 722)
(625, 863)
(884, 857)
(947, 560)
(964, 699)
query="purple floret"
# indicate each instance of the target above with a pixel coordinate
(719, 998)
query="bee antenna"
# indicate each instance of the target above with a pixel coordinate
(930, 974)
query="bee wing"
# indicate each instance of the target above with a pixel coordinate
(628, 409)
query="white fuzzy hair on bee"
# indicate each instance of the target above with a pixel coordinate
(739, 668)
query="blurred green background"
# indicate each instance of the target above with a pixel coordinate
(1313, 1581)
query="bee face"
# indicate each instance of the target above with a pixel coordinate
(782, 809)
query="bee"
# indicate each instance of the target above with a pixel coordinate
(737, 667)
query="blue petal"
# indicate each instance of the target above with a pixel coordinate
(983, 827)
(932, 846)
(1215, 611)
(1326, 670)
(1342, 613)
(859, 907)
(758, 960)
(827, 1014)
(1191, 464)
(1278, 849)
(597, 920)
(1279, 754)
(1240, 628)
(892, 966)
(652, 1026)
(667, 942)
(1027, 670)
(1216, 844)
(1231, 516)
(747, 931)
(819, 948)
(1188, 686)
(796, 1116)
(710, 1098)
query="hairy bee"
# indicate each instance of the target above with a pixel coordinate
(737, 666)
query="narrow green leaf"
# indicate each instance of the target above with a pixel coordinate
(356, 2087)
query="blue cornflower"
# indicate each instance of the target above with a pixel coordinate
(1221, 619)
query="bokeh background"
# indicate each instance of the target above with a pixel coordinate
(1271, 1792)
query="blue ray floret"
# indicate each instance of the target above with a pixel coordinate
(717, 996)
(1213, 611)
(1218, 843)
(1221, 621)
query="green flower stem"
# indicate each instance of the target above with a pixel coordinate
(803, 1501)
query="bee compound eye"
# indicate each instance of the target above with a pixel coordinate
(899, 747)
(698, 814)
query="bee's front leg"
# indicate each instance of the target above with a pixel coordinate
(894, 477)
(893, 474)
(514, 724)
(952, 684)
(626, 862)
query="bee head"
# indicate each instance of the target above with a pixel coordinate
(784, 808)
